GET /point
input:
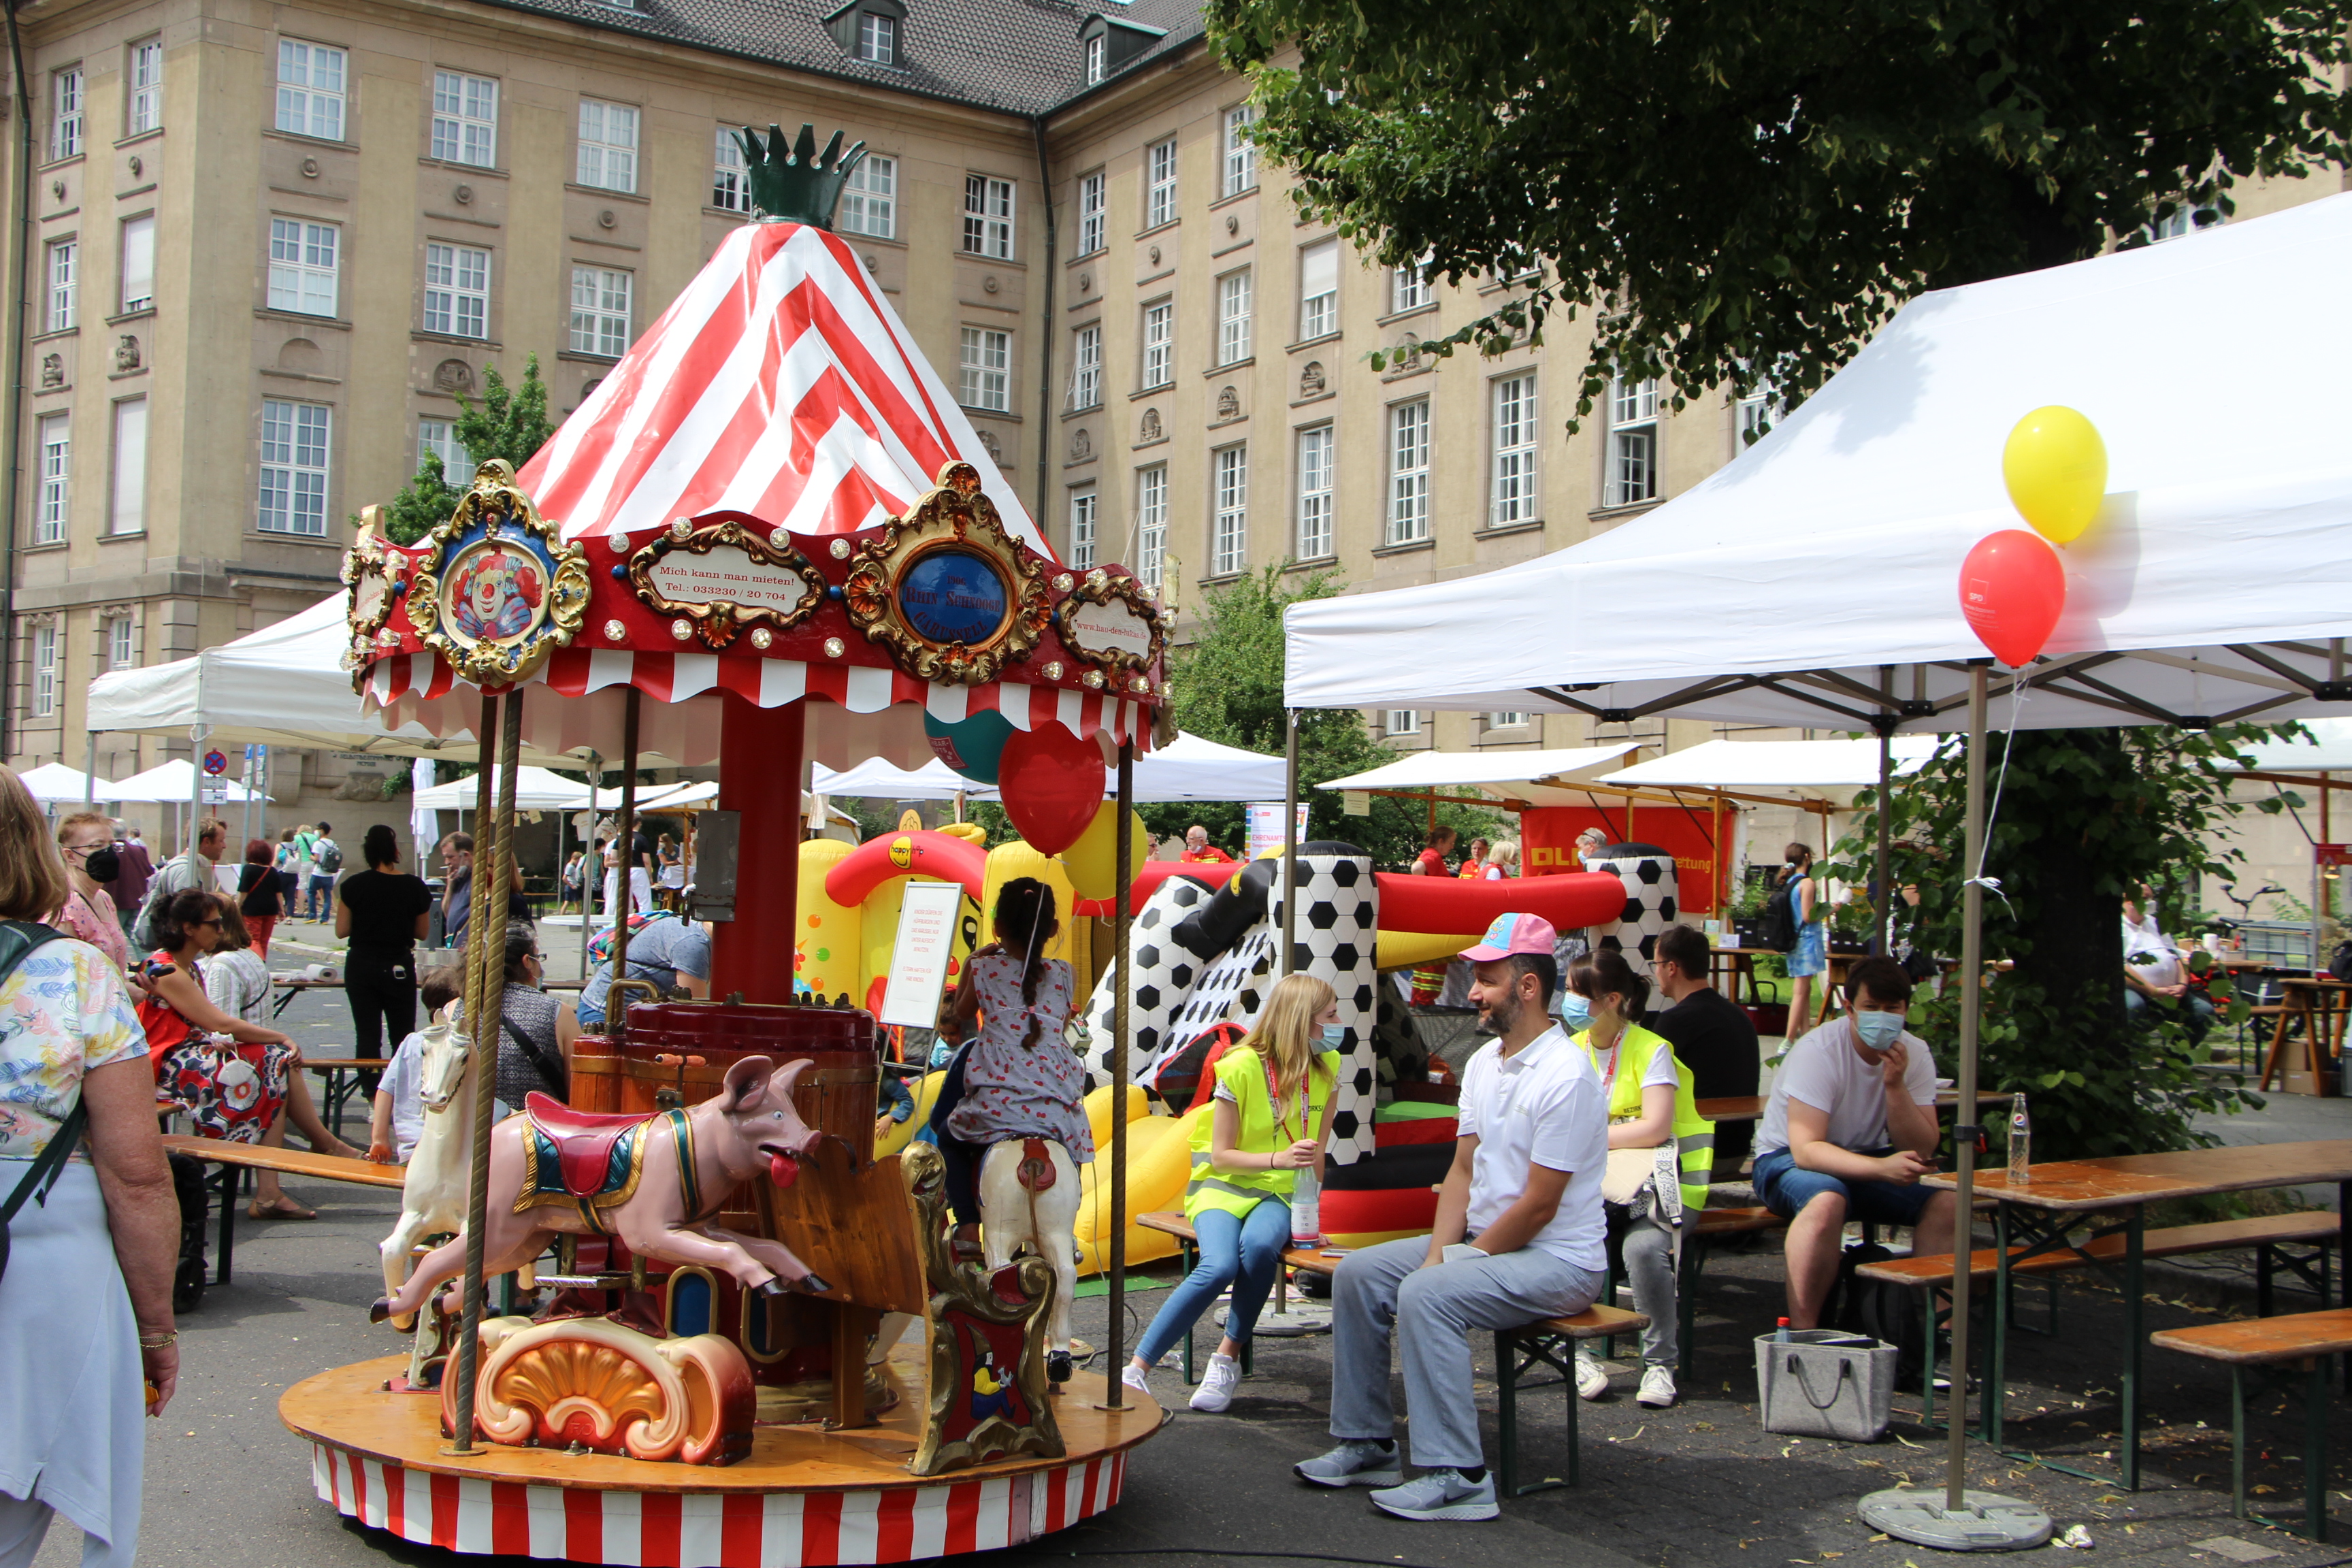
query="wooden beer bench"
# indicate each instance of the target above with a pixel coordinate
(2307, 1339)
(235, 1159)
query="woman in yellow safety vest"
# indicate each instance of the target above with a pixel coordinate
(1660, 1154)
(1272, 1119)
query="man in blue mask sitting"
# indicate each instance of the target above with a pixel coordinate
(1849, 1129)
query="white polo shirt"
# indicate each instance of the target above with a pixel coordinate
(1542, 1107)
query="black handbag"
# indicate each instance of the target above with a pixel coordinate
(17, 940)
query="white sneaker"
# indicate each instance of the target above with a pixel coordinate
(1592, 1382)
(1133, 1378)
(1216, 1390)
(1658, 1387)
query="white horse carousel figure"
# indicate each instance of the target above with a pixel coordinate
(1029, 1200)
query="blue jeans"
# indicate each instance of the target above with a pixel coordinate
(1240, 1250)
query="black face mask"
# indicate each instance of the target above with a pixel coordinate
(102, 865)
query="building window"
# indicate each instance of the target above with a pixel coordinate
(45, 670)
(1160, 202)
(1633, 471)
(1318, 290)
(1409, 472)
(988, 216)
(984, 363)
(1408, 289)
(1090, 213)
(1759, 412)
(438, 438)
(1229, 529)
(728, 189)
(1086, 369)
(1159, 345)
(608, 145)
(1082, 528)
(146, 109)
(1240, 155)
(138, 264)
(310, 90)
(1315, 453)
(1150, 525)
(464, 119)
(878, 38)
(1232, 318)
(1513, 487)
(121, 642)
(600, 311)
(1097, 55)
(869, 203)
(64, 296)
(304, 261)
(65, 113)
(2180, 220)
(1507, 721)
(294, 468)
(57, 479)
(1401, 722)
(457, 293)
(127, 512)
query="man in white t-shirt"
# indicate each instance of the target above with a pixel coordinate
(1525, 1192)
(2155, 984)
(1848, 1133)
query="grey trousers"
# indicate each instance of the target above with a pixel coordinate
(1433, 1311)
(1649, 1253)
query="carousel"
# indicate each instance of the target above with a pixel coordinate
(768, 538)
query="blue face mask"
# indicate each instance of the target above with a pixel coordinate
(1575, 1011)
(1878, 1030)
(1335, 1036)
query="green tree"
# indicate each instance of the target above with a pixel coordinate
(1228, 688)
(2084, 816)
(1741, 190)
(509, 423)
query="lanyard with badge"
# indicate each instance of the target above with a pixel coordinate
(1273, 1103)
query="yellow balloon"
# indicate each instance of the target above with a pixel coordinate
(1092, 862)
(2056, 469)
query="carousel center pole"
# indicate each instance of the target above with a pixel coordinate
(760, 767)
(484, 981)
(591, 872)
(624, 886)
(1122, 908)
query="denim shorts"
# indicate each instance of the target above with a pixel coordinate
(1785, 1188)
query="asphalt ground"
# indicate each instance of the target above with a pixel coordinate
(227, 1487)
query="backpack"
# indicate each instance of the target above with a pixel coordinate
(1887, 1313)
(2339, 962)
(1780, 917)
(331, 858)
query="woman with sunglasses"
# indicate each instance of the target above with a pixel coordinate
(239, 1080)
(87, 840)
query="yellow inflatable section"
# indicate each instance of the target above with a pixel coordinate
(1411, 949)
(927, 1095)
(1159, 1159)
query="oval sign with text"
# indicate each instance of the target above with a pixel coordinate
(1107, 632)
(729, 572)
(952, 596)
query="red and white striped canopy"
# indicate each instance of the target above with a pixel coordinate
(782, 384)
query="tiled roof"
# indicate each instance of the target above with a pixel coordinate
(1020, 56)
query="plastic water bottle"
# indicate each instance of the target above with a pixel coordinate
(2020, 1142)
(1780, 1334)
(1307, 1209)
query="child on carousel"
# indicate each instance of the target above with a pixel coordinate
(1016, 1076)
(1272, 1119)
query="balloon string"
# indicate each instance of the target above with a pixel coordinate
(2016, 686)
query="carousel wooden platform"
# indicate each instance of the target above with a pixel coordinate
(803, 1496)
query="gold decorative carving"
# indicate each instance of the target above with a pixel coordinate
(969, 1310)
(613, 1390)
(500, 590)
(369, 605)
(954, 517)
(718, 621)
(1100, 648)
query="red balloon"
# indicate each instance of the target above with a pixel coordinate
(2013, 587)
(1053, 784)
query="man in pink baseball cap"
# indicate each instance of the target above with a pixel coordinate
(1519, 1236)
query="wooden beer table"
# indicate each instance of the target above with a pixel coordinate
(1751, 1106)
(2322, 1005)
(2068, 1194)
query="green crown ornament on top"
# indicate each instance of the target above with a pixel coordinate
(796, 183)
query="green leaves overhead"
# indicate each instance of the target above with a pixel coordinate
(1735, 191)
(509, 423)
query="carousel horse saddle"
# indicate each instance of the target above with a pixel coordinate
(589, 1154)
(1037, 1171)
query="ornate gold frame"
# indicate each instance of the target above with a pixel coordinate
(954, 512)
(716, 622)
(494, 500)
(362, 561)
(1101, 588)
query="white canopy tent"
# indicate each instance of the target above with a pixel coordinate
(1814, 580)
(56, 782)
(177, 780)
(536, 789)
(1809, 765)
(876, 779)
(1534, 778)
(1191, 767)
(2328, 751)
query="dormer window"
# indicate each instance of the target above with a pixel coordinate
(873, 31)
(1097, 54)
(1108, 44)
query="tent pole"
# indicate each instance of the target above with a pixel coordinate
(1956, 1460)
(624, 886)
(485, 977)
(1122, 908)
(592, 866)
(1885, 912)
(1290, 832)
(89, 774)
(196, 798)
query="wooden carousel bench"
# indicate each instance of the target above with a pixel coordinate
(235, 1160)
(1547, 1342)
(2303, 1339)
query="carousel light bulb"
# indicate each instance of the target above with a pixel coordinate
(840, 548)
(833, 647)
(762, 637)
(781, 537)
(1053, 670)
(615, 632)
(681, 629)
(617, 537)
(1064, 583)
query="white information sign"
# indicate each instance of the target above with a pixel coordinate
(1109, 628)
(727, 573)
(1266, 827)
(919, 963)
